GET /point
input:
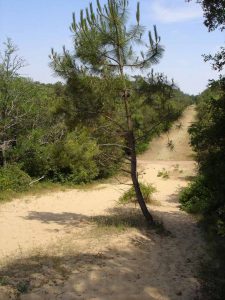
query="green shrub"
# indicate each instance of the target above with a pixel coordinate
(196, 197)
(142, 147)
(130, 196)
(199, 198)
(74, 159)
(206, 194)
(33, 153)
(164, 174)
(12, 178)
(23, 286)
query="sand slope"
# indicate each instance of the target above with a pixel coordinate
(51, 243)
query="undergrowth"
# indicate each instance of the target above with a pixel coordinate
(212, 269)
(130, 195)
(197, 198)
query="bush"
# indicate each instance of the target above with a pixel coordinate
(164, 174)
(196, 197)
(130, 196)
(74, 159)
(12, 178)
(199, 198)
(33, 154)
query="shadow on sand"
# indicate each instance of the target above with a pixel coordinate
(146, 266)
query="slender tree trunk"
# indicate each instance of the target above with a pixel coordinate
(134, 177)
(131, 143)
(132, 146)
(133, 165)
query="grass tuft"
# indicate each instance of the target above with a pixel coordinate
(130, 196)
(163, 173)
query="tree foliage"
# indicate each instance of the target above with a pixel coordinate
(218, 59)
(76, 132)
(206, 196)
(214, 13)
(101, 93)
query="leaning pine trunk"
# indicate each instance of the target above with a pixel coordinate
(134, 177)
(132, 147)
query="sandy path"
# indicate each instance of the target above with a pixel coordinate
(182, 150)
(130, 264)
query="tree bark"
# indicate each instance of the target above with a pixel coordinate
(134, 177)
(131, 140)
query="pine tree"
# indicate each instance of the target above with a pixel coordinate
(104, 46)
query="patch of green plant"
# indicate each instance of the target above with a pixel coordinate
(142, 147)
(46, 186)
(121, 220)
(130, 196)
(23, 286)
(74, 159)
(3, 281)
(196, 197)
(12, 178)
(38, 188)
(163, 173)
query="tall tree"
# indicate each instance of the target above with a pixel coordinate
(13, 97)
(104, 46)
(214, 13)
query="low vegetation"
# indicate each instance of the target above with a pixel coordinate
(205, 193)
(163, 174)
(12, 178)
(129, 196)
(47, 134)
